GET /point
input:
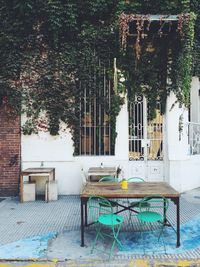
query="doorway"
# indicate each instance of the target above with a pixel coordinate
(145, 140)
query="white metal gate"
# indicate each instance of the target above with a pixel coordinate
(145, 141)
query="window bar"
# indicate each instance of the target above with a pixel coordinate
(80, 122)
(135, 127)
(131, 125)
(129, 133)
(95, 111)
(85, 122)
(134, 123)
(130, 128)
(150, 129)
(155, 135)
(139, 132)
(131, 139)
(136, 109)
(90, 119)
(161, 148)
(159, 137)
(99, 112)
(109, 105)
(95, 123)
(109, 127)
(104, 115)
(144, 125)
(142, 121)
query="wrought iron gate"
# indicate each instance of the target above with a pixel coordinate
(146, 137)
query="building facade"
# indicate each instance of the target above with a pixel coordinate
(166, 148)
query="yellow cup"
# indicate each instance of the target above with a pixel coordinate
(124, 184)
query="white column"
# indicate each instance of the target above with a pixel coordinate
(121, 146)
(176, 140)
(195, 101)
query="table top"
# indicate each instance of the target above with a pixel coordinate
(100, 170)
(37, 170)
(135, 190)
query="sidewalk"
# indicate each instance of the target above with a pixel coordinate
(51, 232)
(103, 263)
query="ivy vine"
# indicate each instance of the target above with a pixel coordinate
(157, 50)
(47, 50)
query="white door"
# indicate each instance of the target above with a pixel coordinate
(145, 141)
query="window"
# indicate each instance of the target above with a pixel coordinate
(95, 124)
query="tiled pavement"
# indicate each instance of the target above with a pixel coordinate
(19, 221)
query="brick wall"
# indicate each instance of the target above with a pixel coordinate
(9, 154)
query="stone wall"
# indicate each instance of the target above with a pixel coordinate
(10, 154)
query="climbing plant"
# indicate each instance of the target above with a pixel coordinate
(157, 49)
(47, 50)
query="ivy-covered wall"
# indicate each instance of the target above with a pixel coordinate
(47, 50)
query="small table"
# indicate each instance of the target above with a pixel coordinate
(37, 172)
(95, 173)
(135, 190)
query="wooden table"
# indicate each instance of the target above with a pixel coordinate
(37, 172)
(135, 190)
(95, 173)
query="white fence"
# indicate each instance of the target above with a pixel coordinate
(194, 138)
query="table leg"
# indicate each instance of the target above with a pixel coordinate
(86, 222)
(177, 222)
(21, 188)
(47, 189)
(164, 212)
(82, 223)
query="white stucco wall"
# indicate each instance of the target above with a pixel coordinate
(185, 174)
(181, 170)
(49, 151)
(195, 100)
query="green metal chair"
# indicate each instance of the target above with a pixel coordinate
(135, 179)
(134, 204)
(152, 211)
(107, 220)
(107, 179)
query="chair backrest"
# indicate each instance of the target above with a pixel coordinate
(99, 205)
(135, 179)
(156, 203)
(108, 179)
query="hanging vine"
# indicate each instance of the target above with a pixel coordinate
(155, 42)
(45, 45)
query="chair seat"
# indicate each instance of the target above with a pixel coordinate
(149, 216)
(110, 219)
(142, 205)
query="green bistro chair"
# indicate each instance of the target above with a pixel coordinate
(152, 211)
(107, 179)
(135, 204)
(135, 179)
(107, 220)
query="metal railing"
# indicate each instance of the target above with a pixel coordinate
(194, 138)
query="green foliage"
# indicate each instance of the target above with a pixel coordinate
(185, 62)
(48, 48)
(195, 7)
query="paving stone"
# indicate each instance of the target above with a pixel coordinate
(23, 220)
